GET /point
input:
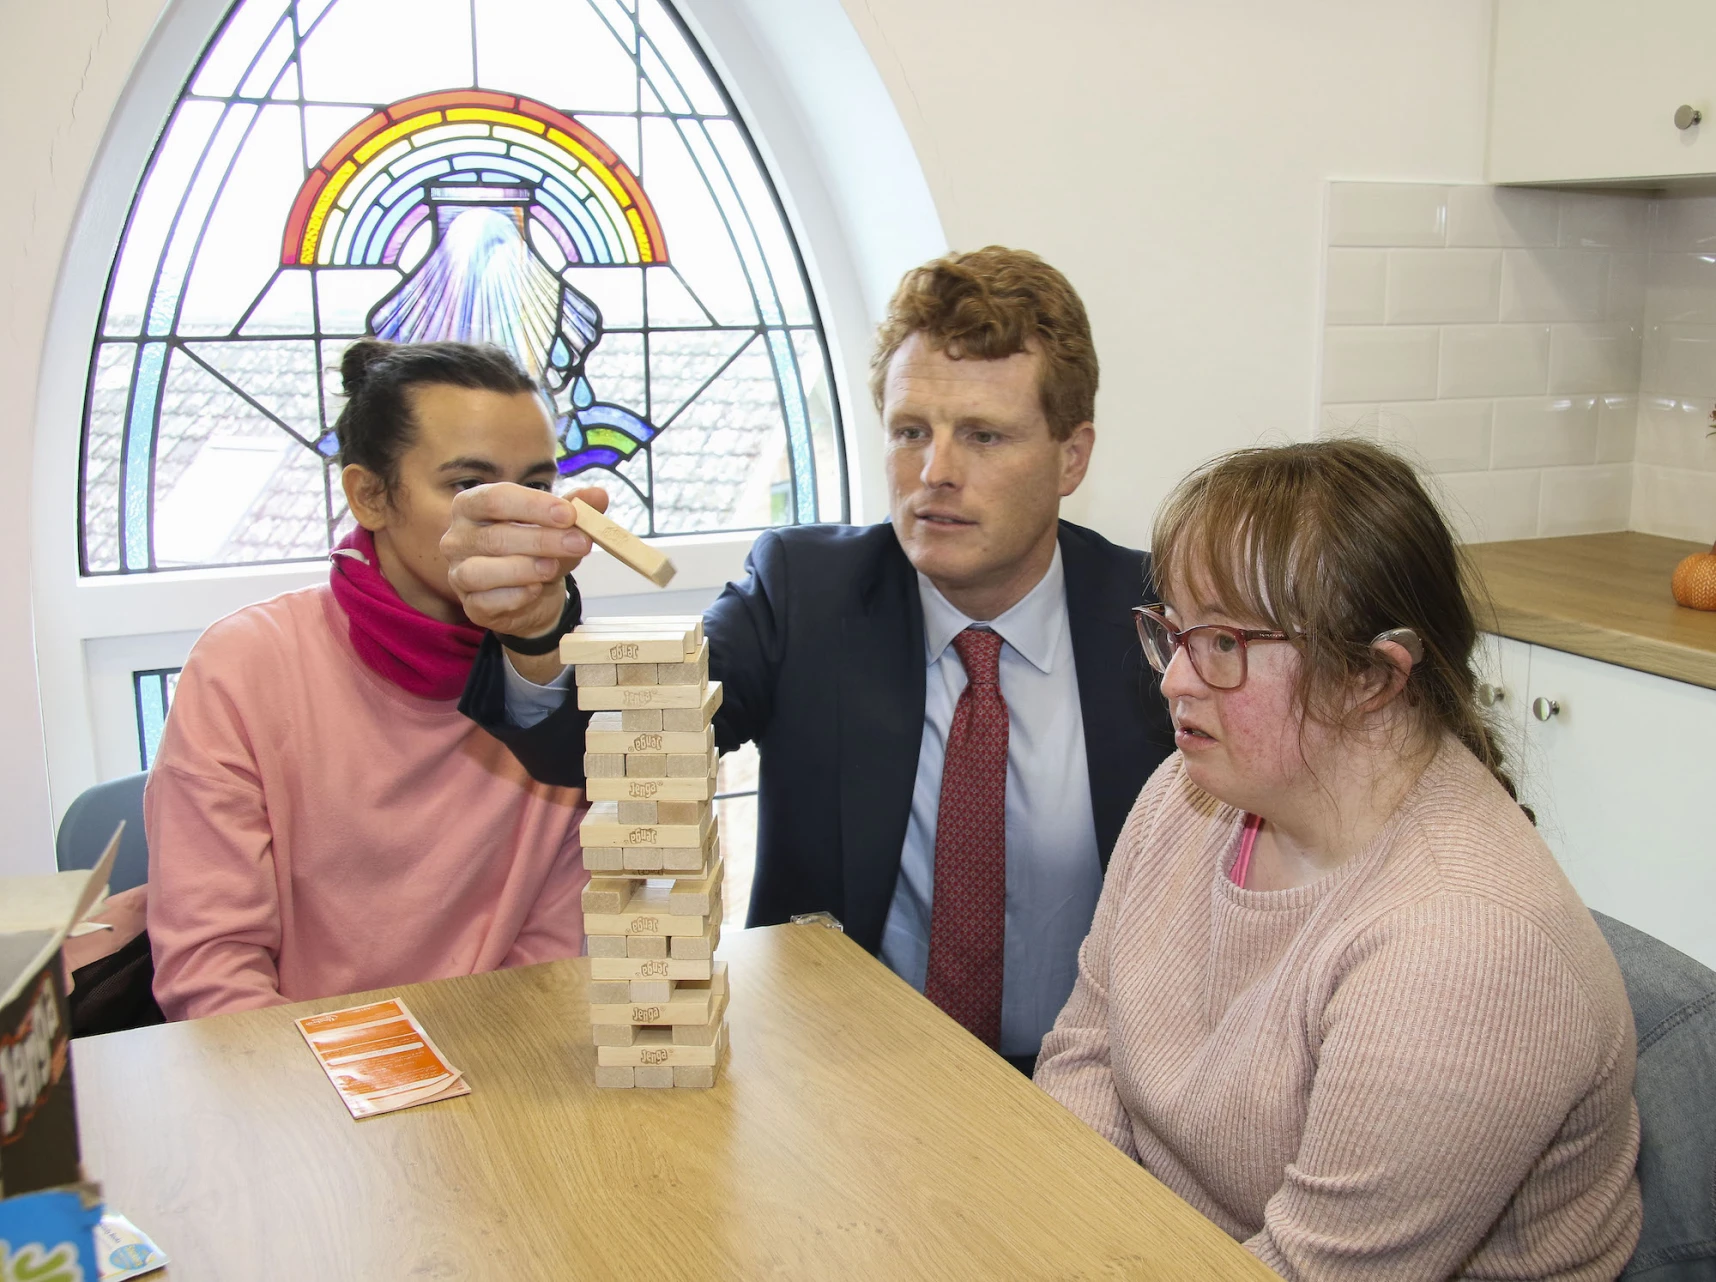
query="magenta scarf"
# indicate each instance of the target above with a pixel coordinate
(420, 655)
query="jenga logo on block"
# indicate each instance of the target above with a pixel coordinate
(641, 837)
(646, 1014)
(654, 969)
(653, 1056)
(644, 926)
(636, 698)
(642, 787)
(622, 652)
(646, 743)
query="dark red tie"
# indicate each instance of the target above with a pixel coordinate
(968, 914)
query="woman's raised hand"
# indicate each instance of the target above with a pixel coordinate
(508, 548)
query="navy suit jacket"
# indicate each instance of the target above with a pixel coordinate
(821, 654)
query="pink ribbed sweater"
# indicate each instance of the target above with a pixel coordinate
(1419, 1066)
(314, 829)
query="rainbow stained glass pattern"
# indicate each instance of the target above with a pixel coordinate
(421, 166)
(565, 178)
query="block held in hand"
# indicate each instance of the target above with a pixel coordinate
(621, 544)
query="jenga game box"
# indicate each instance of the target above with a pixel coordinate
(38, 1115)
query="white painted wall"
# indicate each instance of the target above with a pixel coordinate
(62, 67)
(1170, 157)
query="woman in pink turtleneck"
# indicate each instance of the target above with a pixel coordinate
(321, 817)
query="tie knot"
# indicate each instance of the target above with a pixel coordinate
(980, 651)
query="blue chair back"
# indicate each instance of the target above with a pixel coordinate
(1674, 1010)
(90, 821)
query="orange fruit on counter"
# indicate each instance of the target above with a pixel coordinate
(1695, 581)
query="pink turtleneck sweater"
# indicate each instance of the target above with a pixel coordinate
(315, 830)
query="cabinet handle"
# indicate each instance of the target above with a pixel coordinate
(1543, 708)
(1687, 116)
(1489, 695)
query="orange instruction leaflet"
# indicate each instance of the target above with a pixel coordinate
(379, 1058)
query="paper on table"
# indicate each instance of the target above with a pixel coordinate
(123, 1251)
(379, 1058)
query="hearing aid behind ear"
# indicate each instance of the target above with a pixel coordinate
(1406, 639)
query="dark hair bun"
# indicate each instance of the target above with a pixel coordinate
(357, 361)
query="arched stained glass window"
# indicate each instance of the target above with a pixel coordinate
(566, 178)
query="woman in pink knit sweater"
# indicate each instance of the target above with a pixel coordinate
(1337, 994)
(321, 818)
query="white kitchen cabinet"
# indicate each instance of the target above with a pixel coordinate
(1587, 90)
(1616, 763)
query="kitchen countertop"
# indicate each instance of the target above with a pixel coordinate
(1604, 596)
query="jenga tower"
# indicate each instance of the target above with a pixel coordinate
(652, 910)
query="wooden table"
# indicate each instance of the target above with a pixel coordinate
(858, 1133)
(1605, 596)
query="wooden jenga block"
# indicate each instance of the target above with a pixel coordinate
(581, 646)
(641, 919)
(701, 1035)
(637, 812)
(610, 1076)
(594, 674)
(704, 1033)
(656, 1046)
(683, 812)
(646, 765)
(646, 946)
(602, 828)
(687, 765)
(678, 859)
(692, 1003)
(633, 720)
(645, 990)
(688, 625)
(638, 674)
(618, 740)
(621, 544)
(604, 765)
(605, 945)
(644, 859)
(607, 895)
(612, 1035)
(674, 765)
(688, 898)
(653, 1076)
(604, 698)
(695, 947)
(611, 789)
(608, 991)
(682, 720)
(647, 968)
(604, 859)
(693, 672)
(703, 1076)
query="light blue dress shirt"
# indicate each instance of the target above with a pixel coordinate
(1054, 872)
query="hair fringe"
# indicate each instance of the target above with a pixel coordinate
(1339, 541)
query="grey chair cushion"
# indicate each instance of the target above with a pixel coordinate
(90, 822)
(1674, 1010)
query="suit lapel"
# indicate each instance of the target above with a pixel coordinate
(1112, 677)
(881, 681)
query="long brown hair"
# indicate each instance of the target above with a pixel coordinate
(1338, 541)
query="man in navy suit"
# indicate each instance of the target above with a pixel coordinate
(951, 709)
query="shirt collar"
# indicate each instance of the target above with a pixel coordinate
(1034, 626)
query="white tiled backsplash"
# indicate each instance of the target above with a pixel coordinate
(1550, 355)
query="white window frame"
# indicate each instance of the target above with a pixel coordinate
(805, 85)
